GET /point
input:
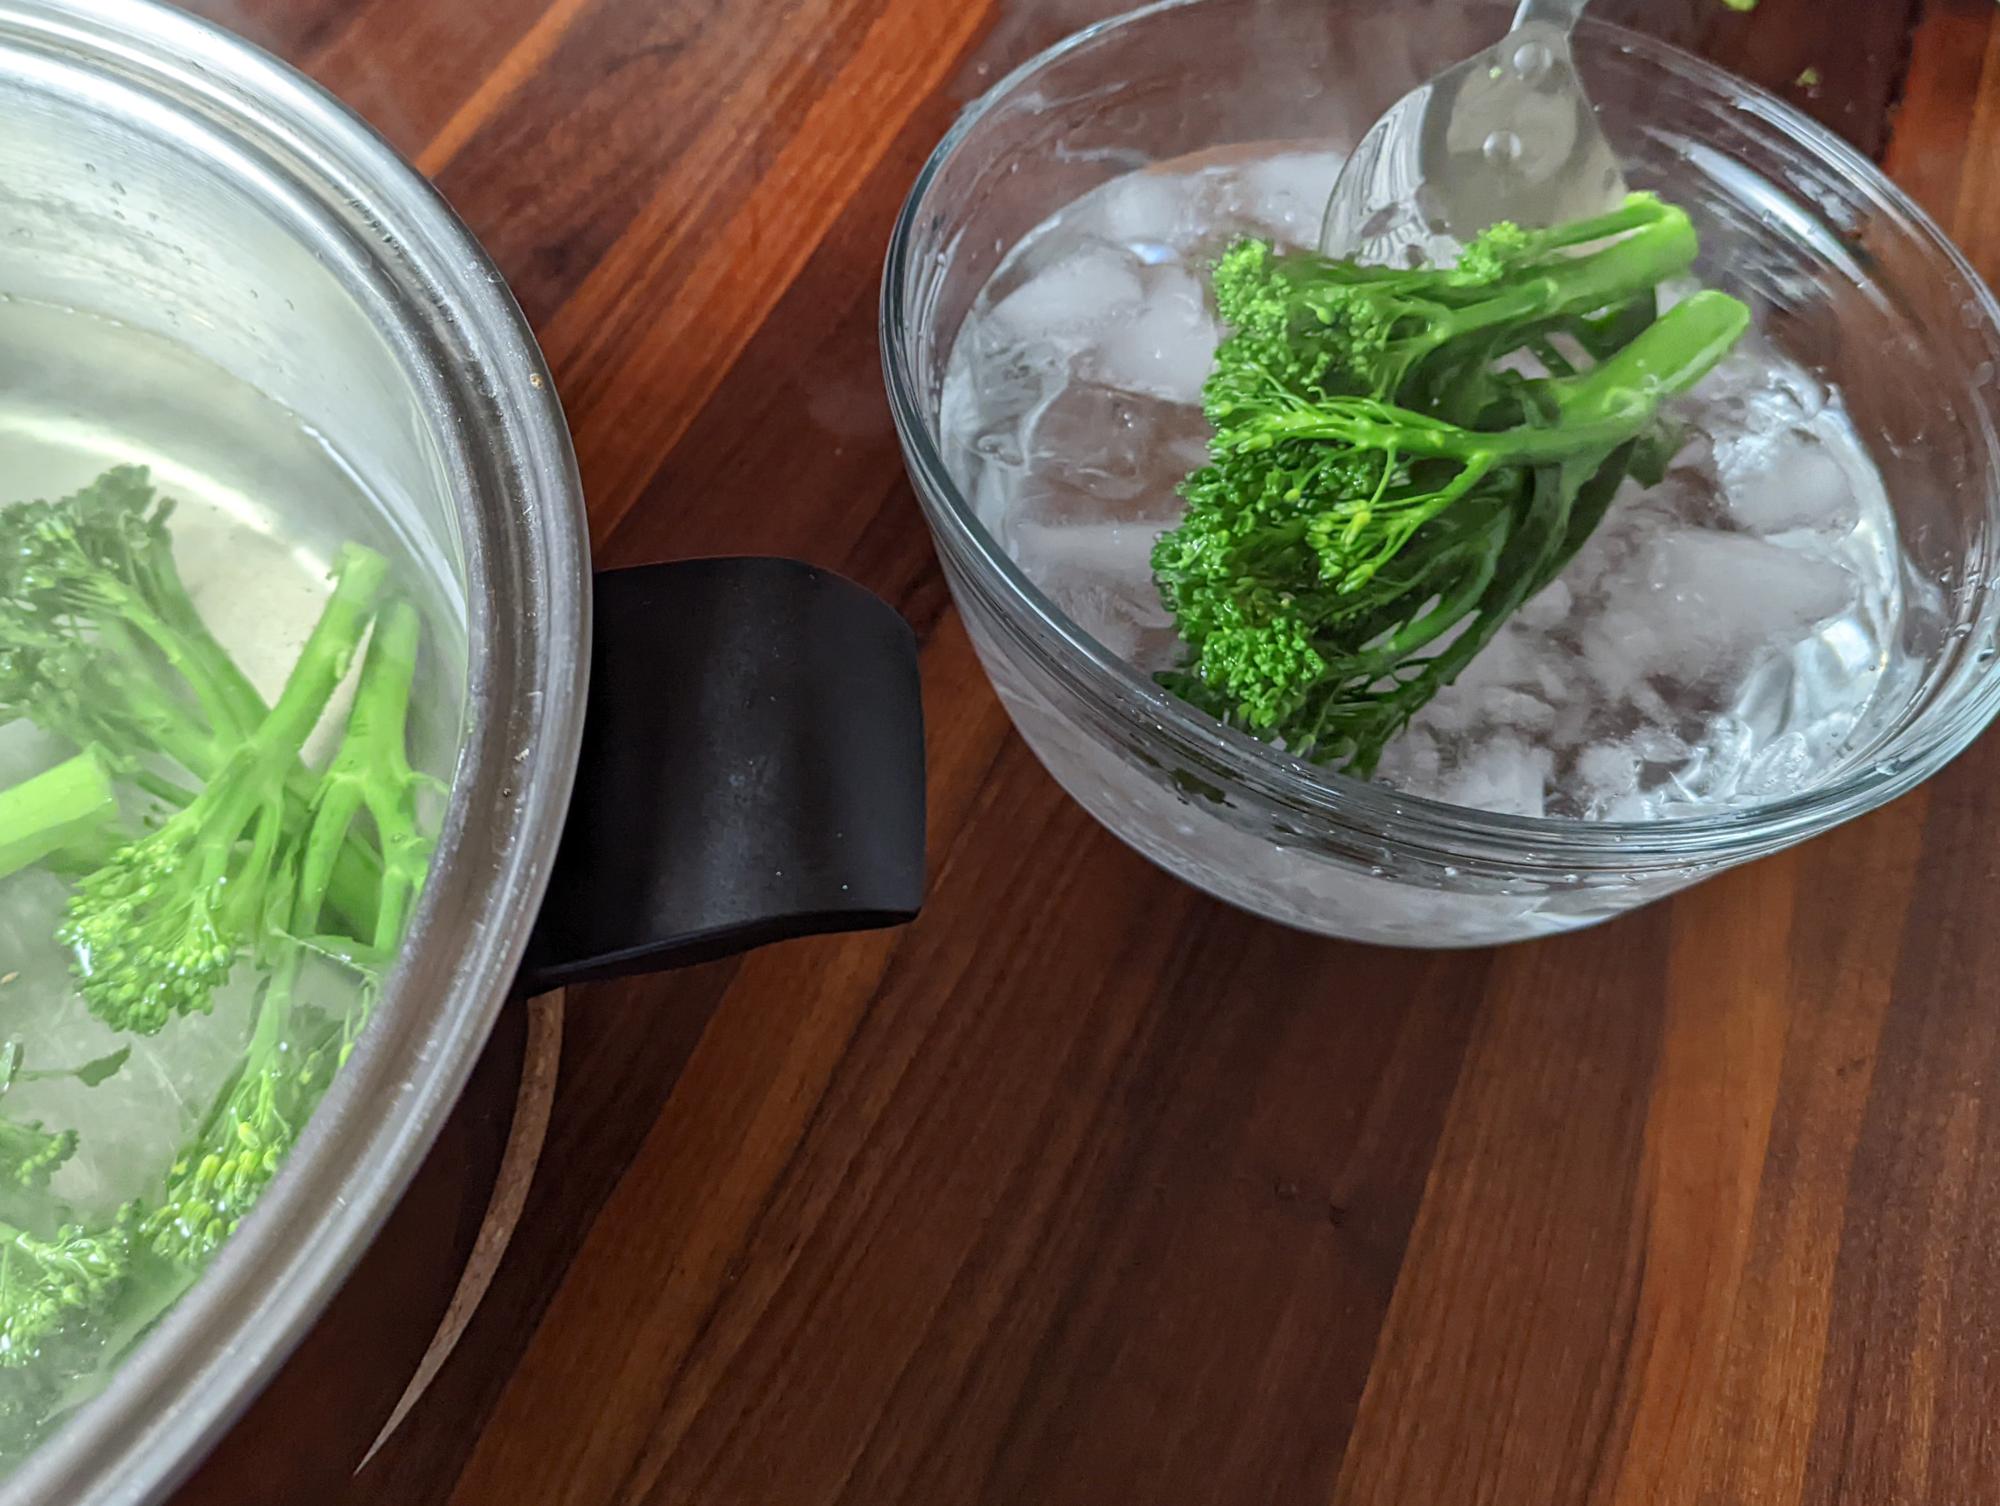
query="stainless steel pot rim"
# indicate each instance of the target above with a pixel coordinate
(1364, 811)
(433, 291)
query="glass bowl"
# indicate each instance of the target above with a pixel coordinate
(1848, 277)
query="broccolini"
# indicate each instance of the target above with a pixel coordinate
(1386, 483)
(159, 926)
(218, 1177)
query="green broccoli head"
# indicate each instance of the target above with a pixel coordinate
(216, 1180)
(53, 1288)
(157, 929)
(99, 641)
(1493, 255)
(30, 1154)
(1381, 494)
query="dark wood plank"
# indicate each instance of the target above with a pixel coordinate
(974, 1201)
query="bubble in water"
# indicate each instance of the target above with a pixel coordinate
(1501, 148)
(1532, 60)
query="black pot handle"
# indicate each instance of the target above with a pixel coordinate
(753, 770)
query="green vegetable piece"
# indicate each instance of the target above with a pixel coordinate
(1384, 488)
(99, 640)
(103, 1068)
(371, 772)
(159, 927)
(13, 1067)
(101, 644)
(50, 1289)
(218, 1176)
(71, 808)
(30, 1154)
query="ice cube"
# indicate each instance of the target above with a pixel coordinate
(994, 386)
(1077, 294)
(1505, 774)
(1547, 608)
(1781, 766)
(1119, 454)
(1286, 195)
(1716, 764)
(1606, 774)
(1413, 761)
(1101, 576)
(1165, 347)
(1695, 604)
(1143, 211)
(1772, 483)
(1470, 710)
(993, 492)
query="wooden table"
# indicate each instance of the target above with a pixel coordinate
(1043, 1201)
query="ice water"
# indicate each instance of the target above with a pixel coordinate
(1724, 637)
(261, 504)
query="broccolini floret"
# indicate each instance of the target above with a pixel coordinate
(1384, 489)
(242, 1143)
(99, 641)
(159, 927)
(101, 644)
(52, 1288)
(219, 1175)
(31, 1154)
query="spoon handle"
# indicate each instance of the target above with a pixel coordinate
(1561, 14)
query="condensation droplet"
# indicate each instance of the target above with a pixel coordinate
(1532, 60)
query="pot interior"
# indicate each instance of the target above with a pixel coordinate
(210, 271)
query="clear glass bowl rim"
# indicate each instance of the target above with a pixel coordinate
(1414, 823)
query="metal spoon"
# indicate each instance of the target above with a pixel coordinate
(1506, 135)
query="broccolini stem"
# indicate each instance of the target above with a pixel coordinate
(1637, 264)
(72, 803)
(236, 696)
(1601, 410)
(371, 770)
(359, 575)
(1577, 285)
(1638, 210)
(1666, 359)
(196, 668)
(241, 787)
(163, 716)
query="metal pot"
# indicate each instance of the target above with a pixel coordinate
(752, 749)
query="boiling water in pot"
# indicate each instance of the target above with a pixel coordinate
(127, 1152)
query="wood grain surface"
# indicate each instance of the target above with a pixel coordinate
(1056, 1197)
